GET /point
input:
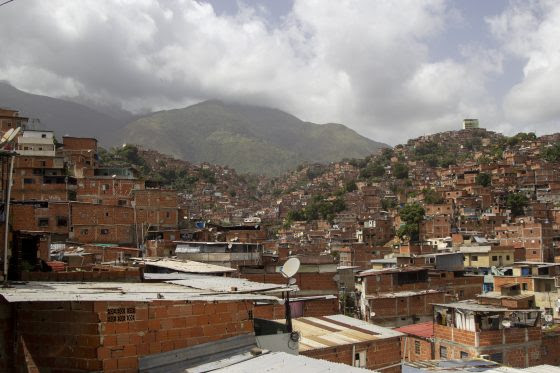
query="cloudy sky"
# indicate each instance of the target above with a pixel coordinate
(389, 69)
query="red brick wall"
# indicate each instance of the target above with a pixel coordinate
(269, 311)
(411, 353)
(322, 307)
(156, 198)
(26, 217)
(500, 281)
(306, 281)
(79, 143)
(417, 305)
(81, 336)
(381, 353)
(551, 349)
(508, 340)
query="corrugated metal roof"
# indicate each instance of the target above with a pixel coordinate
(424, 330)
(187, 266)
(281, 362)
(227, 284)
(166, 276)
(337, 330)
(104, 291)
(498, 295)
(403, 294)
(373, 272)
(472, 306)
(471, 365)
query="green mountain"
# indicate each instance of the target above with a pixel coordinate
(64, 117)
(248, 138)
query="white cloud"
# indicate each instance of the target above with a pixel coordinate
(530, 31)
(363, 63)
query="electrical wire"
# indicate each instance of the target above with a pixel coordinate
(6, 2)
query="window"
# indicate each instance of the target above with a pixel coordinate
(461, 293)
(507, 257)
(464, 355)
(44, 136)
(104, 231)
(61, 221)
(494, 258)
(442, 352)
(524, 286)
(417, 347)
(83, 232)
(122, 202)
(28, 181)
(534, 252)
(43, 222)
(474, 258)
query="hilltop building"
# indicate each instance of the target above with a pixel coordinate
(469, 124)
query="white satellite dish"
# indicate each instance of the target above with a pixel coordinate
(372, 314)
(548, 318)
(290, 268)
(292, 281)
(6, 135)
(14, 133)
(506, 323)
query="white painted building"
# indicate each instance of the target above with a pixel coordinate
(36, 143)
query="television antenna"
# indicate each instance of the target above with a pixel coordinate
(288, 270)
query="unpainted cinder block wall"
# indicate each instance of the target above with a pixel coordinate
(111, 336)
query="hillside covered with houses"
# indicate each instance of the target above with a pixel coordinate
(437, 247)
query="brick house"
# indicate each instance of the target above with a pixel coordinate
(470, 330)
(417, 342)
(65, 326)
(349, 341)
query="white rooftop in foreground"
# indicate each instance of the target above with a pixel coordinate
(187, 266)
(125, 291)
(471, 365)
(281, 362)
(228, 284)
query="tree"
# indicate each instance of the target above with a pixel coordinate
(400, 170)
(372, 170)
(517, 202)
(412, 215)
(483, 179)
(432, 197)
(551, 153)
(351, 186)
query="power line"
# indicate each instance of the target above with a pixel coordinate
(6, 2)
